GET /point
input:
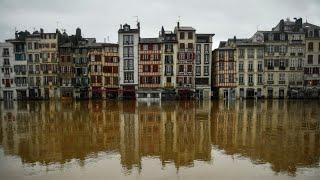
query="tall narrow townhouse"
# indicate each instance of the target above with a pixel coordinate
(312, 61)
(7, 84)
(295, 55)
(249, 57)
(128, 39)
(33, 51)
(80, 58)
(49, 65)
(224, 71)
(95, 56)
(20, 64)
(66, 65)
(203, 63)
(150, 68)
(276, 64)
(104, 65)
(185, 65)
(169, 61)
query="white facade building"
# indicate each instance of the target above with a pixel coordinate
(128, 60)
(7, 84)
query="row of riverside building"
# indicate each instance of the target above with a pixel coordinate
(178, 64)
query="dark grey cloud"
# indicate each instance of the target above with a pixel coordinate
(101, 18)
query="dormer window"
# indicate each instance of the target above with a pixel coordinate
(126, 27)
(310, 33)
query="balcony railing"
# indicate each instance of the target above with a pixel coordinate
(270, 82)
(282, 82)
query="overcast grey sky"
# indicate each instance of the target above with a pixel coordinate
(102, 18)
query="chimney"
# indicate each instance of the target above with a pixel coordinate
(235, 39)
(78, 32)
(41, 31)
(120, 26)
(16, 34)
(178, 24)
(138, 25)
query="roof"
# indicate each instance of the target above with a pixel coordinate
(185, 28)
(150, 40)
(309, 25)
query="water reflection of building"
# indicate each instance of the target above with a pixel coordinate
(57, 132)
(284, 134)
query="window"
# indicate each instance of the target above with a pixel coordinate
(190, 46)
(206, 48)
(128, 64)
(260, 79)
(168, 59)
(168, 79)
(155, 68)
(250, 78)
(146, 68)
(310, 46)
(230, 66)
(30, 57)
(230, 55)
(310, 59)
(155, 47)
(221, 66)
(198, 70)
(251, 53)
(206, 58)
(5, 52)
(260, 53)
(127, 39)
(319, 58)
(270, 77)
(29, 45)
(240, 78)
(182, 46)
(53, 45)
(145, 47)
(221, 55)
(230, 78)
(198, 58)
(221, 78)
(198, 48)
(128, 51)
(189, 68)
(128, 76)
(240, 66)
(190, 35)
(181, 68)
(181, 35)
(282, 76)
(241, 53)
(6, 62)
(250, 66)
(260, 68)
(206, 70)
(168, 48)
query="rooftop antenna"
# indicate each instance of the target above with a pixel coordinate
(179, 18)
(137, 18)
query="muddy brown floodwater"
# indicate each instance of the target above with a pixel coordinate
(160, 140)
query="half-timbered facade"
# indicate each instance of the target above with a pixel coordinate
(150, 68)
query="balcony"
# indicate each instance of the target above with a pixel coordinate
(250, 70)
(6, 63)
(282, 68)
(282, 82)
(270, 67)
(270, 82)
(292, 68)
(168, 73)
(250, 83)
(5, 55)
(168, 85)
